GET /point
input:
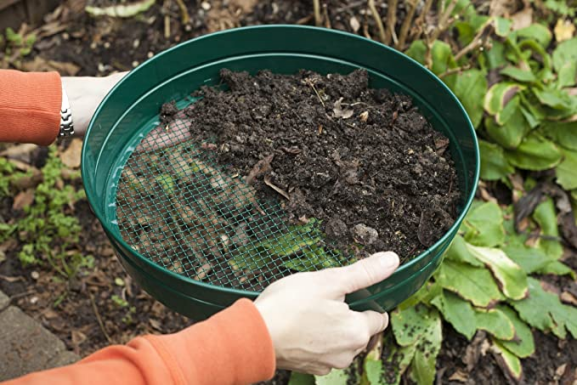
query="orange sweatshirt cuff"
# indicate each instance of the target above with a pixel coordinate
(29, 107)
(234, 346)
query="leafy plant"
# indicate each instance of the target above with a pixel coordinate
(47, 231)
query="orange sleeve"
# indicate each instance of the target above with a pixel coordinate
(232, 347)
(29, 106)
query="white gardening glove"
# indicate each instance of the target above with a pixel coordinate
(312, 328)
(84, 95)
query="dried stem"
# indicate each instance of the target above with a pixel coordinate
(184, 12)
(406, 24)
(390, 21)
(455, 71)
(317, 12)
(443, 21)
(377, 17)
(100, 323)
(419, 22)
(477, 42)
(326, 17)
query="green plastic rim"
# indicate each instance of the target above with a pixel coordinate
(249, 47)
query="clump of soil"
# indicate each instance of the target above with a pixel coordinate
(363, 161)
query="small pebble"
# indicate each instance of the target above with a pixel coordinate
(205, 5)
(135, 64)
(35, 275)
(106, 45)
(364, 234)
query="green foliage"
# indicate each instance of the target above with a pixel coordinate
(47, 232)
(526, 107)
(13, 42)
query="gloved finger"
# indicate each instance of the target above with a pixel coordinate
(364, 273)
(376, 322)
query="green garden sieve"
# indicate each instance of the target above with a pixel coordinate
(201, 245)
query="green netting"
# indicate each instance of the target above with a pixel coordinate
(177, 207)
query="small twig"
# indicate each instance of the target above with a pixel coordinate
(20, 295)
(390, 21)
(454, 71)
(95, 309)
(317, 13)
(310, 83)
(477, 42)
(419, 22)
(326, 16)
(184, 12)
(406, 24)
(443, 21)
(377, 18)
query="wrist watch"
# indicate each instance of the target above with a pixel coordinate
(66, 126)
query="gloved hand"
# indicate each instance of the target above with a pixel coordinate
(312, 328)
(85, 94)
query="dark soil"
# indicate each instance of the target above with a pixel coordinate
(363, 161)
(464, 362)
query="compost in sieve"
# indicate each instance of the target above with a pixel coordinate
(271, 174)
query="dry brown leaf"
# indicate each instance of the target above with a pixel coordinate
(26, 182)
(564, 30)
(20, 165)
(339, 112)
(568, 298)
(71, 156)
(522, 19)
(41, 65)
(77, 337)
(459, 376)
(23, 199)
(156, 324)
(21, 152)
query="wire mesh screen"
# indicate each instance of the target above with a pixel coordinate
(177, 207)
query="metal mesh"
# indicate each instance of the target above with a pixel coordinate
(177, 207)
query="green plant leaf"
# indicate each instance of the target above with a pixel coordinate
(523, 343)
(511, 277)
(423, 366)
(484, 225)
(545, 216)
(564, 61)
(535, 153)
(301, 379)
(509, 361)
(506, 113)
(458, 312)
(395, 362)
(566, 170)
(493, 163)
(502, 26)
(495, 55)
(458, 252)
(121, 10)
(511, 134)
(495, 322)
(441, 53)
(472, 283)
(530, 259)
(410, 324)
(556, 268)
(521, 75)
(335, 377)
(536, 32)
(544, 311)
(555, 98)
(564, 134)
(470, 87)
(499, 95)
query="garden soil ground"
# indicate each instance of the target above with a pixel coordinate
(80, 45)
